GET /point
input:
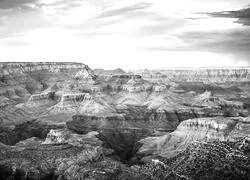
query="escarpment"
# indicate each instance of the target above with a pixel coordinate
(207, 75)
(198, 129)
(22, 68)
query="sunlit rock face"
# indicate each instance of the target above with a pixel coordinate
(198, 129)
(22, 68)
(81, 103)
(35, 77)
(62, 136)
(137, 84)
(39, 101)
(73, 99)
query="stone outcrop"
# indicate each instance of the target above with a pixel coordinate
(71, 98)
(199, 129)
(58, 157)
(42, 97)
(206, 99)
(136, 84)
(62, 136)
(25, 130)
(85, 74)
(81, 103)
(159, 88)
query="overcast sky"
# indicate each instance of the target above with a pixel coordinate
(130, 34)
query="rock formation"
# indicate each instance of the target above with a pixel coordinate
(207, 75)
(198, 129)
(63, 155)
(66, 121)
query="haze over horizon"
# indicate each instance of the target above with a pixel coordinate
(131, 34)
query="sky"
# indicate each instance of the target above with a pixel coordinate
(129, 34)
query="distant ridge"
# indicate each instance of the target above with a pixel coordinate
(191, 68)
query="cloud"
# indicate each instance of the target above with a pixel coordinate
(235, 42)
(124, 10)
(12, 4)
(121, 29)
(243, 15)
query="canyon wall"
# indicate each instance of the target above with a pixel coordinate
(28, 67)
(198, 74)
(196, 130)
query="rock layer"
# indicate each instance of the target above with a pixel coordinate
(189, 131)
(66, 159)
(199, 74)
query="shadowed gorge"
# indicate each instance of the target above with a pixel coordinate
(124, 143)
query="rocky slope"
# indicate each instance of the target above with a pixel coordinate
(66, 121)
(35, 85)
(198, 129)
(62, 155)
(69, 156)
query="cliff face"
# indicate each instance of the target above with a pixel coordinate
(198, 75)
(22, 68)
(35, 77)
(198, 129)
(29, 89)
(42, 96)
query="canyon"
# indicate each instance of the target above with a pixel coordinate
(67, 121)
